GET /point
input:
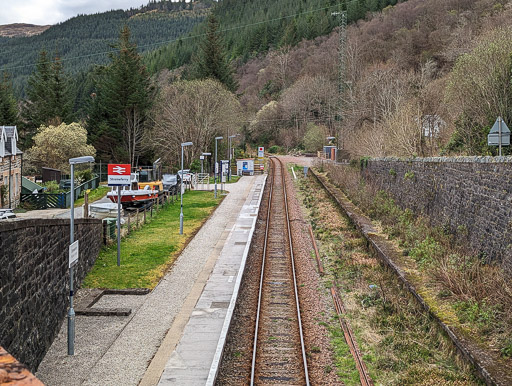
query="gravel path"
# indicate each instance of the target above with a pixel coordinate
(117, 350)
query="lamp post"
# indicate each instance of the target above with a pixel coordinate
(181, 213)
(205, 155)
(229, 159)
(71, 311)
(215, 170)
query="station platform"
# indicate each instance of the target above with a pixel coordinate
(196, 357)
(175, 333)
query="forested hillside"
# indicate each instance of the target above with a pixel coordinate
(425, 77)
(422, 77)
(250, 27)
(85, 39)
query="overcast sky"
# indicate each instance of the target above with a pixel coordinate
(44, 12)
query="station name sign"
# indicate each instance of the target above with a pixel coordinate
(119, 174)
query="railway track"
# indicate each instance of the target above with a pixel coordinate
(279, 354)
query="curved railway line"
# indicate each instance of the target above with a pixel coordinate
(278, 351)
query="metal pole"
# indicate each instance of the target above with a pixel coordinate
(215, 170)
(71, 311)
(118, 226)
(229, 159)
(181, 213)
(499, 135)
(202, 172)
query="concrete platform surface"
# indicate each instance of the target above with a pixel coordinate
(116, 350)
(197, 356)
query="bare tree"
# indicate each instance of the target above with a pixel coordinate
(194, 111)
(310, 99)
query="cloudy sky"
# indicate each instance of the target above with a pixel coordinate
(44, 12)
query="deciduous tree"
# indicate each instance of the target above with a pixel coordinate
(55, 145)
(194, 111)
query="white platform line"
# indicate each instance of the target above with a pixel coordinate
(214, 368)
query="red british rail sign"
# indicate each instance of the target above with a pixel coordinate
(118, 174)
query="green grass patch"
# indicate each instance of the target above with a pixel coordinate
(94, 195)
(234, 178)
(147, 252)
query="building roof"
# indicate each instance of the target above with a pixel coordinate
(29, 186)
(7, 133)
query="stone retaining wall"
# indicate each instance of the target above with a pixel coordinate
(34, 281)
(472, 196)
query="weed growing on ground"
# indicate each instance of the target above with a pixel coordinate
(399, 341)
(479, 293)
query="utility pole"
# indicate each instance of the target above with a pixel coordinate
(342, 67)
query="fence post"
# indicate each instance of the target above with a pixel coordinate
(129, 223)
(105, 231)
(86, 205)
(144, 215)
(137, 218)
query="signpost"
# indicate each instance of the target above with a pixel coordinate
(261, 152)
(499, 135)
(119, 175)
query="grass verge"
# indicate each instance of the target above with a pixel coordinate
(147, 253)
(400, 343)
(464, 290)
(94, 195)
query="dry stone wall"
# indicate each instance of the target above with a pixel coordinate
(34, 281)
(471, 196)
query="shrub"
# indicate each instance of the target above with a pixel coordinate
(83, 176)
(274, 149)
(51, 186)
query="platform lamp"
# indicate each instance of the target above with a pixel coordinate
(205, 155)
(229, 145)
(71, 311)
(215, 170)
(181, 213)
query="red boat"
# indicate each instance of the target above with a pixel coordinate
(132, 195)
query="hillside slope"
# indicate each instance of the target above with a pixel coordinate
(21, 30)
(85, 39)
(403, 80)
(250, 28)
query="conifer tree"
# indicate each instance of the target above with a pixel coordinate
(212, 61)
(119, 110)
(8, 106)
(49, 96)
(37, 108)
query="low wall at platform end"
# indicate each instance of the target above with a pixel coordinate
(34, 281)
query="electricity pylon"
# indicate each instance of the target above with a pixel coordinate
(342, 67)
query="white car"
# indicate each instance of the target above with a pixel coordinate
(6, 213)
(187, 176)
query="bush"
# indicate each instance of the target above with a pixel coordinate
(51, 187)
(195, 166)
(274, 149)
(83, 176)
